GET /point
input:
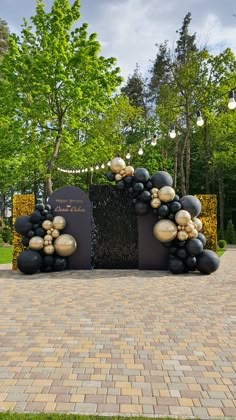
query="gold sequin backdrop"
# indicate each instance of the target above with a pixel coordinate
(208, 217)
(22, 205)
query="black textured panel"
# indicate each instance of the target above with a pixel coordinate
(116, 228)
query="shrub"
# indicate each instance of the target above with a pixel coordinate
(222, 243)
(221, 234)
(6, 234)
(230, 233)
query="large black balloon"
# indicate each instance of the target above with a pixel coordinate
(163, 210)
(23, 225)
(208, 262)
(35, 217)
(174, 206)
(141, 208)
(47, 260)
(176, 266)
(181, 253)
(202, 238)
(141, 175)
(194, 247)
(191, 262)
(29, 262)
(145, 196)
(161, 179)
(59, 263)
(191, 204)
(138, 187)
(110, 176)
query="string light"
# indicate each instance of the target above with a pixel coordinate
(109, 163)
(172, 132)
(102, 166)
(200, 121)
(97, 167)
(232, 102)
(154, 140)
(140, 150)
(128, 156)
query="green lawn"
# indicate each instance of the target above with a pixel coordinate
(5, 255)
(220, 252)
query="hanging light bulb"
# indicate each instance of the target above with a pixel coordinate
(154, 140)
(172, 132)
(91, 169)
(128, 156)
(200, 121)
(102, 166)
(79, 171)
(140, 150)
(86, 170)
(109, 163)
(96, 167)
(82, 170)
(232, 102)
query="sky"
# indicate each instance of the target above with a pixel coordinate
(130, 29)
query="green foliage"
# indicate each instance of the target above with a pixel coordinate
(221, 234)
(230, 233)
(5, 255)
(7, 234)
(222, 243)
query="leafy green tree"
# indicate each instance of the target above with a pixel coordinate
(4, 36)
(230, 233)
(59, 82)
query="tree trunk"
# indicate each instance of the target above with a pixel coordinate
(221, 200)
(52, 161)
(182, 169)
(176, 162)
(188, 149)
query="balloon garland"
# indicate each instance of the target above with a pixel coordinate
(47, 247)
(177, 225)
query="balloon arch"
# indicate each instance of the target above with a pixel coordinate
(177, 226)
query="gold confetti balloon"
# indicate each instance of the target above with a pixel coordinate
(166, 194)
(117, 164)
(59, 222)
(165, 230)
(182, 217)
(65, 245)
(155, 203)
(47, 224)
(36, 243)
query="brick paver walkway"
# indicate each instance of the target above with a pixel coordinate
(128, 342)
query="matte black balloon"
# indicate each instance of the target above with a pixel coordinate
(134, 201)
(128, 179)
(176, 198)
(49, 216)
(25, 240)
(141, 208)
(202, 238)
(44, 212)
(59, 263)
(171, 216)
(176, 266)
(174, 206)
(110, 176)
(39, 206)
(194, 247)
(23, 225)
(35, 217)
(208, 262)
(46, 269)
(161, 179)
(167, 244)
(120, 185)
(35, 226)
(141, 175)
(31, 233)
(40, 232)
(191, 204)
(191, 261)
(181, 253)
(145, 196)
(148, 186)
(29, 262)
(173, 250)
(48, 207)
(47, 260)
(138, 187)
(163, 210)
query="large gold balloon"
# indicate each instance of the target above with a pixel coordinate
(182, 217)
(155, 203)
(65, 245)
(59, 222)
(129, 170)
(118, 177)
(165, 230)
(166, 194)
(47, 224)
(48, 249)
(117, 164)
(198, 223)
(36, 243)
(182, 235)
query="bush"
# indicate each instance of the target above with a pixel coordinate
(6, 234)
(230, 233)
(221, 234)
(222, 243)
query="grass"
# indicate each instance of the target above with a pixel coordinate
(5, 255)
(44, 416)
(220, 251)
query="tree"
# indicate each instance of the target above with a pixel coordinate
(136, 90)
(58, 81)
(4, 36)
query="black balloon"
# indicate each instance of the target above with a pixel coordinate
(29, 262)
(120, 185)
(181, 253)
(202, 238)
(25, 240)
(172, 250)
(47, 260)
(128, 179)
(148, 185)
(39, 207)
(35, 226)
(49, 216)
(35, 217)
(59, 263)
(208, 262)
(171, 216)
(191, 204)
(176, 266)
(31, 233)
(145, 196)
(176, 198)
(191, 262)
(110, 176)
(161, 179)
(40, 232)
(163, 210)
(23, 225)
(138, 187)
(194, 247)
(48, 207)
(174, 206)
(141, 175)
(141, 208)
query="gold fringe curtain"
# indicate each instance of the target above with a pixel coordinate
(23, 205)
(208, 217)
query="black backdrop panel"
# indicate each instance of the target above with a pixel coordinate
(152, 254)
(73, 204)
(116, 228)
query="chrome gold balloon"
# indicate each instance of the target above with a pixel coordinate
(198, 223)
(118, 177)
(165, 230)
(36, 243)
(48, 249)
(117, 164)
(59, 222)
(182, 217)
(47, 224)
(182, 235)
(55, 233)
(129, 170)
(166, 194)
(65, 245)
(155, 203)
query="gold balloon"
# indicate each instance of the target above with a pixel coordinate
(193, 234)
(182, 217)
(48, 249)
(129, 170)
(117, 164)
(55, 233)
(118, 177)
(47, 224)
(182, 235)
(189, 227)
(154, 190)
(46, 242)
(59, 222)
(198, 223)
(155, 203)
(165, 230)
(166, 194)
(65, 245)
(49, 231)
(36, 243)
(122, 172)
(154, 195)
(47, 237)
